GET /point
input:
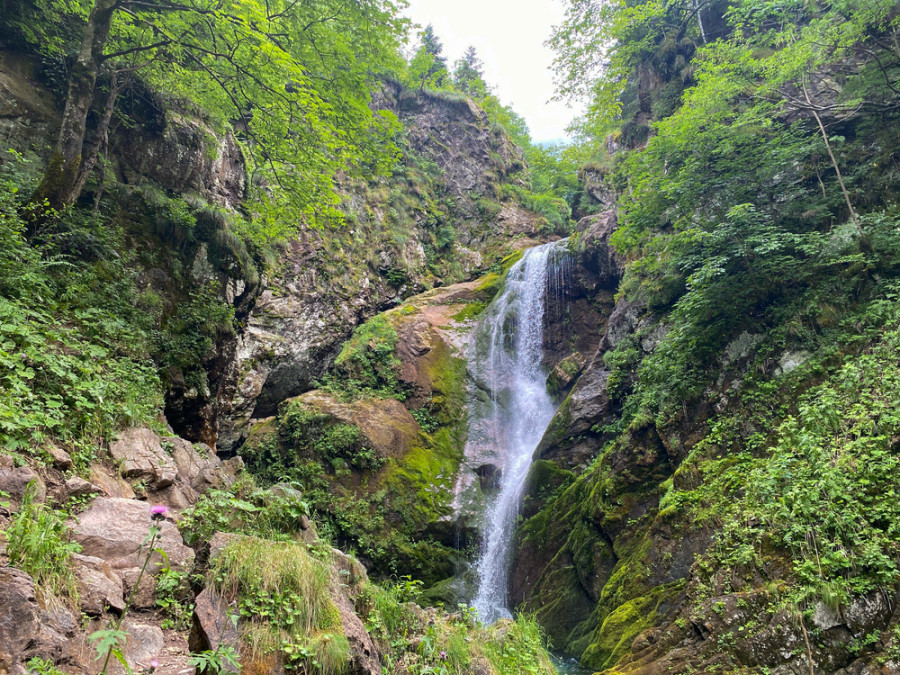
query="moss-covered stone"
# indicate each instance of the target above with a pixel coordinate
(544, 478)
(564, 373)
(613, 638)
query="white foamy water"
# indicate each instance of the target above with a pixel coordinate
(511, 407)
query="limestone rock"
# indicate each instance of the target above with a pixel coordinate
(110, 484)
(177, 497)
(196, 465)
(145, 643)
(219, 541)
(597, 186)
(27, 631)
(351, 572)
(386, 425)
(145, 593)
(179, 159)
(141, 456)
(599, 256)
(19, 616)
(115, 529)
(364, 656)
(99, 587)
(565, 372)
(79, 487)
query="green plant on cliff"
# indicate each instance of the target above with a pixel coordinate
(752, 189)
(823, 487)
(245, 508)
(283, 596)
(441, 642)
(73, 344)
(308, 65)
(367, 365)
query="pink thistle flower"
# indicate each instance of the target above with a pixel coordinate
(443, 655)
(154, 664)
(159, 512)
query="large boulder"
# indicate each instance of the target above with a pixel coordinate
(99, 587)
(19, 618)
(140, 455)
(145, 643)
(115, 530)
(14, 482)
(385, 424)
(212, 625)
(197, 465)
(364, 655)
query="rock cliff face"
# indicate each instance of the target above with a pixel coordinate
(443, 217)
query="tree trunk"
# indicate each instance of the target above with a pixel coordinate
(59, 187)
(91, 149)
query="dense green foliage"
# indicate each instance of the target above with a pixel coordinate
(448, 644)
(367, 365)
(83, 335)
(73, 340)
(740, 201)
(298, 76)
(245, 508)
(754, 405)
(281, 593)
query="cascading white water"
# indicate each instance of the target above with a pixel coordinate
(512, 413)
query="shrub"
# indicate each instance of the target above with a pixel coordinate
(247, 509)
(449, 644)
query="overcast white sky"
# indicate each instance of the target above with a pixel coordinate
(509, 37)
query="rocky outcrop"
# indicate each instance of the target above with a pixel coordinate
(185, 156)
(328, 283)
(99, 587)
(139, 455)
(212, 626)
(175, 471)
(27, 111)
(385, 424)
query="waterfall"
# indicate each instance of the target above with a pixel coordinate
(510, 408)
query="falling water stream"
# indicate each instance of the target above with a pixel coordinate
(511, 408)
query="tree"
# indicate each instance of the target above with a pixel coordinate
(293, 78)
(468, 75)
(429, 66)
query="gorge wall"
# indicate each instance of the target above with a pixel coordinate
(716, 490)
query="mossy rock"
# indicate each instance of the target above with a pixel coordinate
(491, 284)
(564, 373)
(544, 478)
(612, 639)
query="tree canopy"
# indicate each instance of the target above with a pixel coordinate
(294, 80)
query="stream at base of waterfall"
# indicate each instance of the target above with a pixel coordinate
(510, 407)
